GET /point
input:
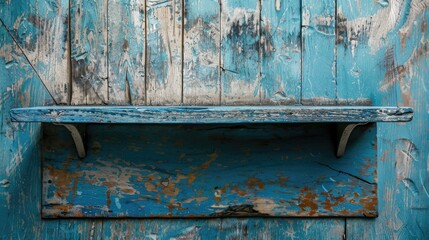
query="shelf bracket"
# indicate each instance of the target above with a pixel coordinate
(77, 134)
(344, 134)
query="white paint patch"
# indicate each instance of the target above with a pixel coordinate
(278, 5)
(117, 203)
(377, 26)
(306, 17)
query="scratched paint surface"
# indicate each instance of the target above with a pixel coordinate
(208, 170)
(382, 55)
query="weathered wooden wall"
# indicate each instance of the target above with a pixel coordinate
(209, 52)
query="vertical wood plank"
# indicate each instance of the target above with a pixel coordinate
(126, 52)
(201, 71)
(164, 52)
(296, 228)
(399, 76)
(41, 30)
(362, 29)
(281, 52)
(162, 229)
(318, 53)
(89, 52)
(240, 60)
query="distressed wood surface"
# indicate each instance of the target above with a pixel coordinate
(126, 50)
(246, 114)
(281, 52)
(394, 37)
(208, 171)
(201, 59)
(319, 52)
(240, 60)
(164, 52)
(19, 143)
(41, 30)
(89, 60)
(369, 29)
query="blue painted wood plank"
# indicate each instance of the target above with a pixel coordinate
(287, 228)
(201, 57)
(126, 61)
(162, 229)
(164, 52)
(214, 114)
(40, 29)
(319, 52)
(281, 52)
(240, 46)
(402, 58)
(209, 171)
(89, 56)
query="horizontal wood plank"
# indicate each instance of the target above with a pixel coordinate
(209, 171)
(215, 114)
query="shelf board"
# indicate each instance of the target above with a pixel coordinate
(210, 114)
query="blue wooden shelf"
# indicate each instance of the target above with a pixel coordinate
(212, 114)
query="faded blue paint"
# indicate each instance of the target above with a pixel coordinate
(281, 52)
(402, 148)
(201, 62)
(240, 59)
(209, 170)
(215, 114)
(319, 52)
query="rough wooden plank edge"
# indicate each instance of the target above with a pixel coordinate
(215, 114)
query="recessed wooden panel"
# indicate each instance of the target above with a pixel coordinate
(209, 171)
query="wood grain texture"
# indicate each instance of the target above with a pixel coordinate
(318, 53)
(209, 171)
(402, 28)
(126, 31)
(361, 46)
(281, 52)
(287, 228)
(164, 52)
(40, 29)
(89, 49)
(201, 59)
(19, 143)
(402, 70)
(204, 115)
(240, 60)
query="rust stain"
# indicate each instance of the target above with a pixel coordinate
(62, 179)
(129, 191)
(253, 183)
(331, 201)
(307, 201)
(150, 187)
(212, 157)
(168, 187)
(239, 191)
(369, 204)
(175, 205)
(191, 178)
